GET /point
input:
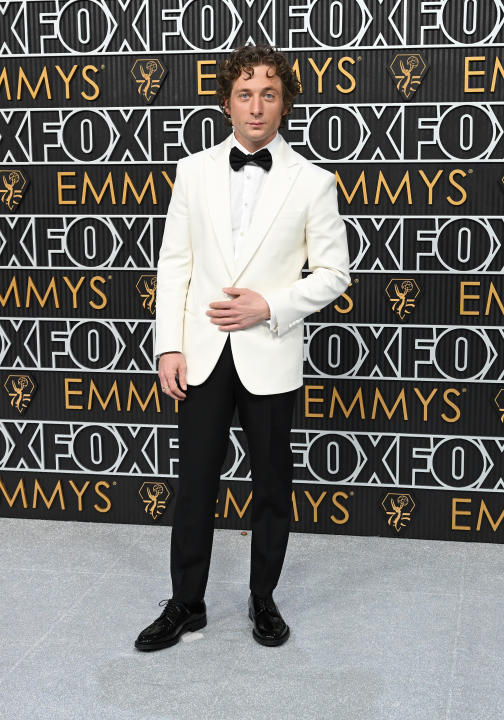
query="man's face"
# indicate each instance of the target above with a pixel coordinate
(256, 107)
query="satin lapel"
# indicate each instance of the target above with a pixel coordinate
(219, 198)
(274, 191)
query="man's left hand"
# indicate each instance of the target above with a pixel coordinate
(247, 308)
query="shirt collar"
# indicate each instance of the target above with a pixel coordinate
(271, 146)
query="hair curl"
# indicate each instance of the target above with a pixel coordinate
(247, 57)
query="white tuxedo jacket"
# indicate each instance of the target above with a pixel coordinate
(296, 217)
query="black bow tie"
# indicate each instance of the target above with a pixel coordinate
(237, 159)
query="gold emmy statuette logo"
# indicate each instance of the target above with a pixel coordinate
(501, 183)
(20, 389)
(155, 495)
(499, 401)
(149, 73)
(402, 293)
(408, 71)
(12, 186)
(398, 507)
(146, 286)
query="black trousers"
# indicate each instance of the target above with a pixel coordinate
(204, 420)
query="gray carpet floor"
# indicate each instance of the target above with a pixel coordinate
(380, 629)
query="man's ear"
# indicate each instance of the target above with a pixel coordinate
(226, 106)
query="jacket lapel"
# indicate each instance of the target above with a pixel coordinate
(219, 198)
(274, 191)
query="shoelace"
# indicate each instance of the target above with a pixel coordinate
(171, 610)
(265, 604)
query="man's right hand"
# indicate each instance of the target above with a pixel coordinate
(170, 365)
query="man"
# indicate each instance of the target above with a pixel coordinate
(243, 218)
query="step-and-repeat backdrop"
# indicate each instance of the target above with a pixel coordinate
(398, 429)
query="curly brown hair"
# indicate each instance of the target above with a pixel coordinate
(247, 57)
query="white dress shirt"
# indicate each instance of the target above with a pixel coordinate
(245, 186)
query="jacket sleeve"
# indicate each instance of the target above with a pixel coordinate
(174, 270)
(328, 261)
(272, 322)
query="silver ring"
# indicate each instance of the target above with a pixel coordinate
(164, 387)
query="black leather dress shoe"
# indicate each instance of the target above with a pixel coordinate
(269, 626)
(175, 619)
